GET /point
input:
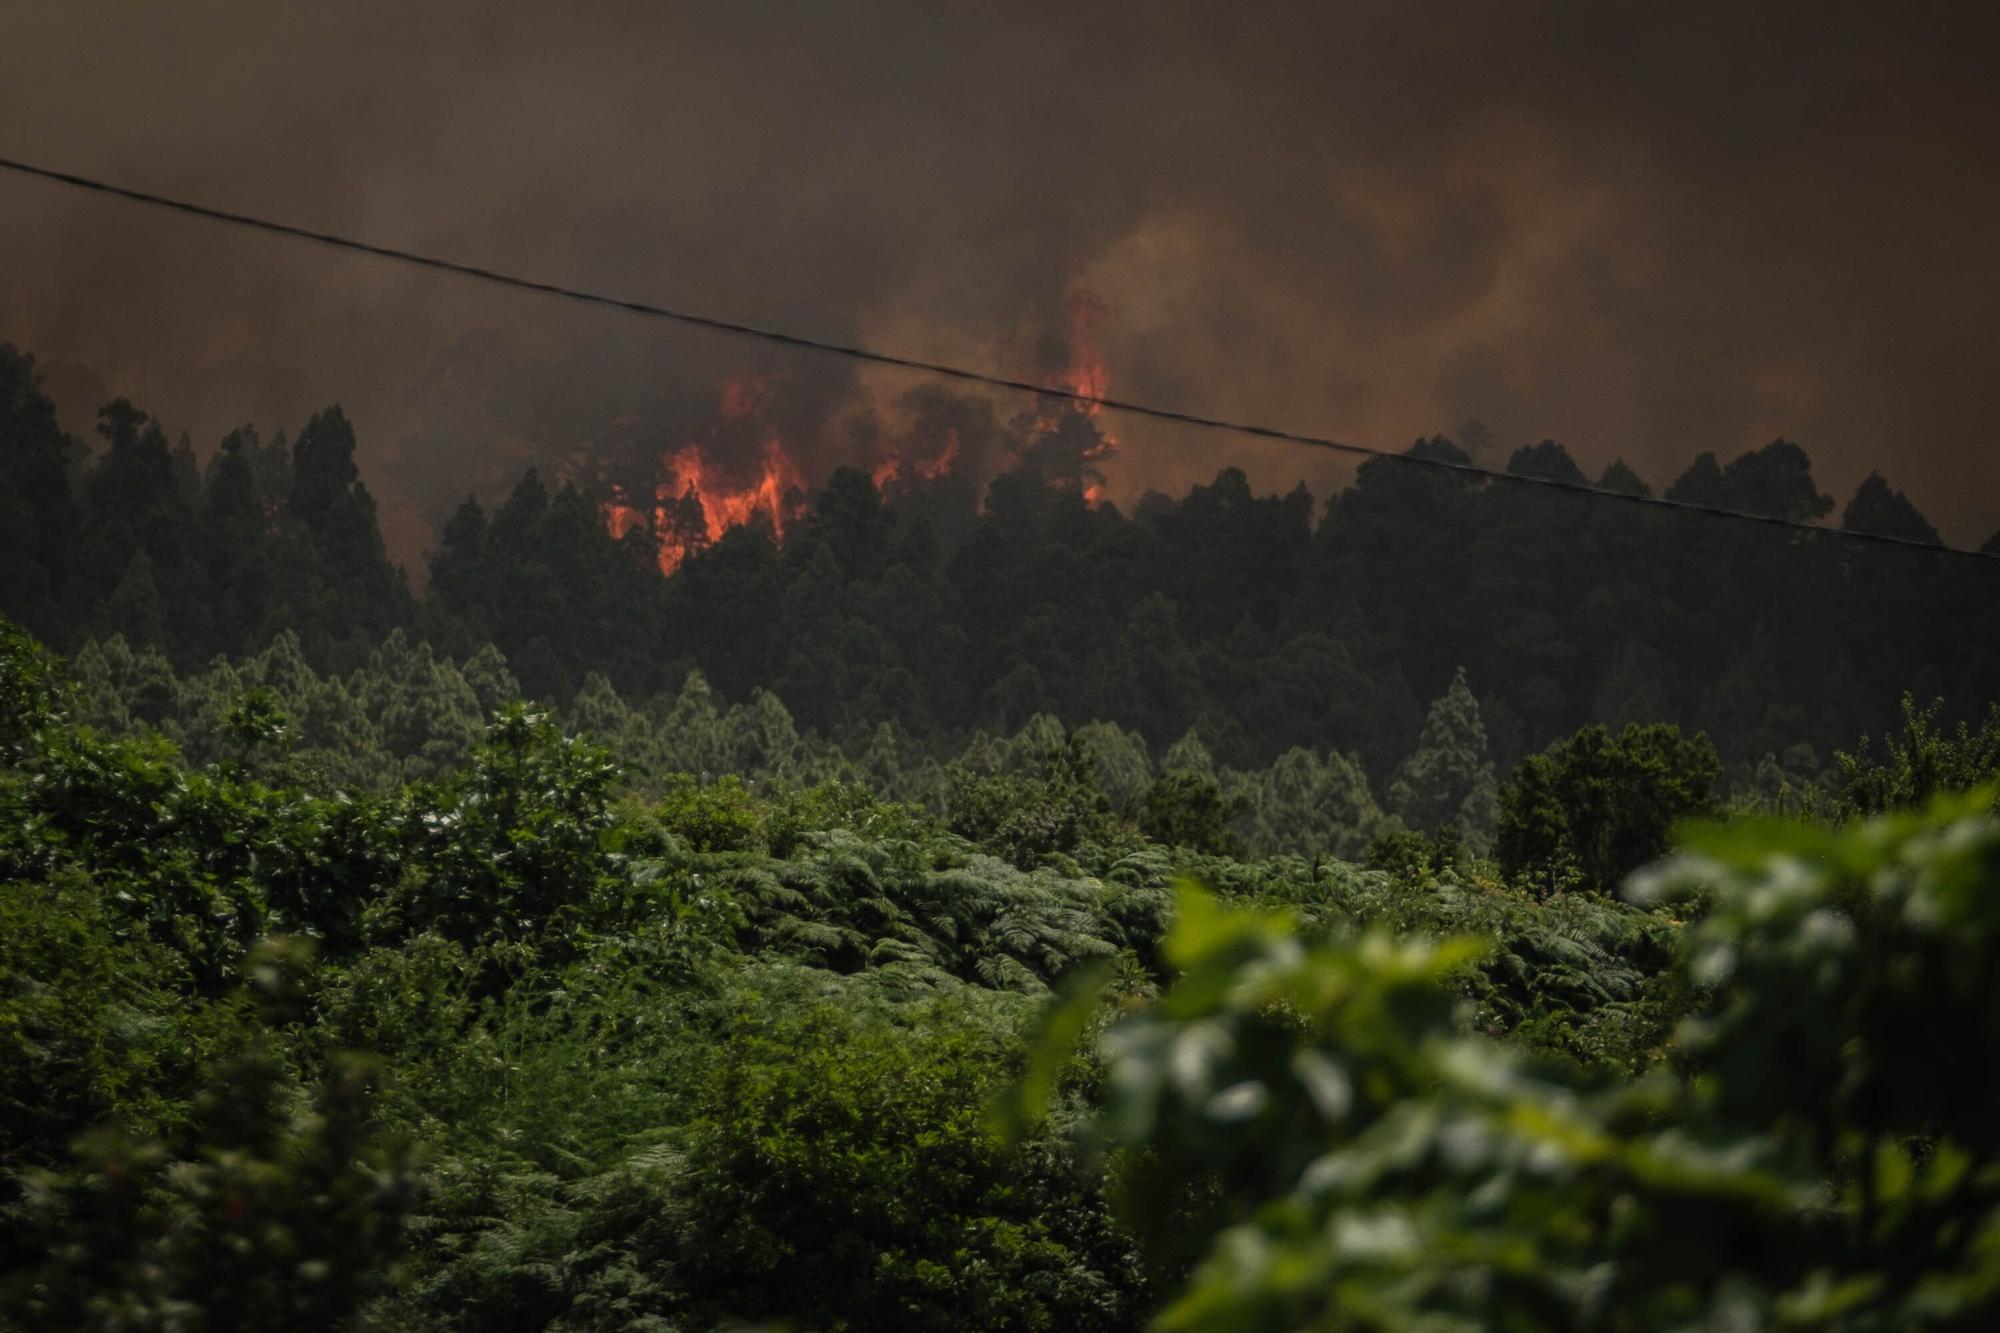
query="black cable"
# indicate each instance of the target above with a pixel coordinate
(782, 338)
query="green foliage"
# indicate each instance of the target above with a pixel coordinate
(257, 1217)
(1026, 818)
(1925, 761)
(1310, 1126)
(1183, 809)
(719, 817)
(1579, 977)
(1855, 960)
(257, 719)
(796, 816)
(1414, 855)
(1598, 806)
(1308, 806)
(513, 849)
(267, 1205)
(1852, 970)
(176, 851)
(715, 1038)
(96, 1027)
(919, 917)
(938, 1225)
(1447, 782)
(33, 691)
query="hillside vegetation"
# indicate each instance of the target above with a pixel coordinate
(913, 617)
(328, 1033)
(1451, 906)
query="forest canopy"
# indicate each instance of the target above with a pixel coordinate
(514, 1035)
(1259, 624)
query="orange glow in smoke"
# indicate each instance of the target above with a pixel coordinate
(1087, 373)
(897, 467)
(694, 481)
(702, 490)
(1084, 371)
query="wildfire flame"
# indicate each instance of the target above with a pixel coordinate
(701, 493)
(1066, 438)
(900, 467)
(1086, 372)
(696, 500)
(620, 515)
(723, 507)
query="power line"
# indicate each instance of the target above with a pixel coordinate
(987, 378)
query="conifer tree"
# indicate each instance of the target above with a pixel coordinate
(1880, 508)
(1447, 782)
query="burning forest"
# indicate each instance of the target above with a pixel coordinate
(741, 469)
(602, 728)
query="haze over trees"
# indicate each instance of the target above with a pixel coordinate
(1259, 623)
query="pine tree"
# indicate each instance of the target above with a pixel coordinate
(1447, 782)
(492, 683)
(1879, 508)
(134, 609)
(1775, 480)
(329, 500)
(1303, 805)
(235, 566)
(460, 577)
(1620, 477)
(38, 514)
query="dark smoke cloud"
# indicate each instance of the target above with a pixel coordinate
(1642, 230)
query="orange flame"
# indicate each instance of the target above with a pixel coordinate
(696, 502)
(620, 516)
(1087, 372)
(1084, 371)
(724, 506)
(900, 467)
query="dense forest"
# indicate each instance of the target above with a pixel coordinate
(534, 1042)
(1256, 624)
(1467, 906)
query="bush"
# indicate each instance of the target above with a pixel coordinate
(1310, 1122)
(97, 1027)
(719, 817)
(842, 1176)
(1596, 806)
(1188, 810)
(1924, 762)
(270, 1205)
(514, 847)
(34, 693)
(841, 805)
(1025, 818)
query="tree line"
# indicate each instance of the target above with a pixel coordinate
(1259, 624)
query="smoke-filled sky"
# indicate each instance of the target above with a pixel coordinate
(1643, 230)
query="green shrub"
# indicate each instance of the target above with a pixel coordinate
(719, 817)
(1314, 1130)
(841, 805)
(842, 1175)
(97, 1023)
(1596, 806)
(514, 847)
(34, 692)
(1188, 810)
(270, 1205)
(1923, 762)
(1025, 818)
